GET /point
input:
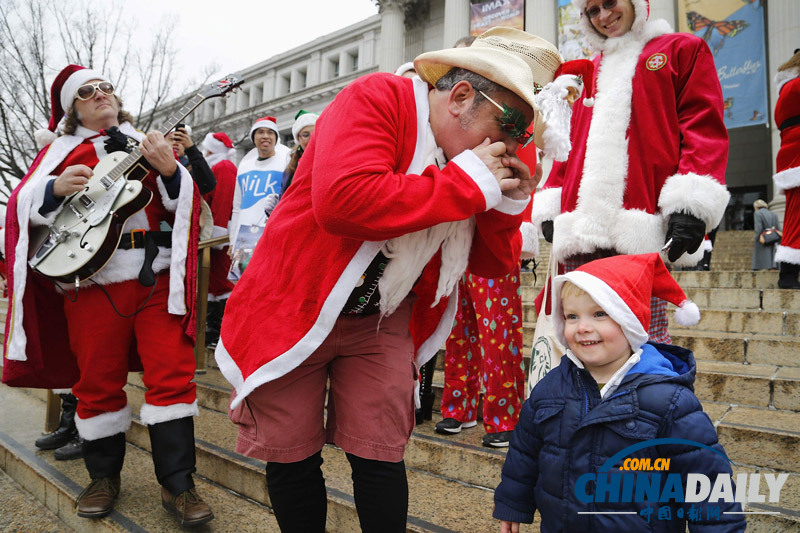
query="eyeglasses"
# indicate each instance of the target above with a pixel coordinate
(594, 11)
(512, 122)
(85, 92)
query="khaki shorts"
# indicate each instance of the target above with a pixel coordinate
(370, 364)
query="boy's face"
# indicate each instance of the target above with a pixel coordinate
(593, 336)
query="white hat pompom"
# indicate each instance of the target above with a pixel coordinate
(687, 314)
(43, 137)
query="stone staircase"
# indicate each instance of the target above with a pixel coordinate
(748, 380)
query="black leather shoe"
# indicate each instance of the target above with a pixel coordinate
(69, 451)
(97, 500)
(497, 440)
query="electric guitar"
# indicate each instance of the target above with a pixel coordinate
(88, 229)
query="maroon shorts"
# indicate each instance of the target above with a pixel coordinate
(370, 364)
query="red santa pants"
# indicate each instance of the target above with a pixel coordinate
(102, 340)
(485, 348)
(790, 242)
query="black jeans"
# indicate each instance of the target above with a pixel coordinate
(299, 501)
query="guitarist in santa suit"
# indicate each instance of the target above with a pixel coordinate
(141, 303)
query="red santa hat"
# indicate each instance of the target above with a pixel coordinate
(623, 285)
(216, 147)
(62, 95)
(265, 122)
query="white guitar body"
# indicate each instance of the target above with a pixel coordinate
(86, 232)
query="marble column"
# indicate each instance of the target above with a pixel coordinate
(664, 9)
(392, 48)
(783, 21)
(456, 21)
(541, 18)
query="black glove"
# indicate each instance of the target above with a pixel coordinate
(547, 230)
(686, 232)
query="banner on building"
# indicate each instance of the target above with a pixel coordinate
(491, 13)
(571, 43)
(734, 31)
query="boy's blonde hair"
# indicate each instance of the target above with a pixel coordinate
(570, 289)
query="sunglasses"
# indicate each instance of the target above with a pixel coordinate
(594, 11)
(512, 122)
(85, 92)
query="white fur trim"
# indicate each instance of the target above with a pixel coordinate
(786, 179)
(707, 245)
(155, 414)
(181, 234)
(700, 196)
(306, 119)
(62, 391)
(588, 102)
(607, 299)
(785, 254)
(104, 425)
(687, 314)
(26, 205)
(546, 206)
(298, 353)
(510, 206)
(481, 175)
(264, 124)
(170, 203)
(40, 188)
(405, 67)
(43, 137)
(785, 76)
(530, 240)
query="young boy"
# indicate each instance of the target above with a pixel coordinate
(612, 390)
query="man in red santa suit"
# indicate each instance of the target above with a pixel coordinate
(648, 159)
(787, 163)
(140, 302)
(404, 184)
(219, 152)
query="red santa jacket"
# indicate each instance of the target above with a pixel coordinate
(653, 144)
(360, 183)
(220, 200)
(36, 351)
(788, 106)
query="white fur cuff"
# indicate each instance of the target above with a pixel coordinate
(785, 254)
(700, 196)
(786, 179)
(154, 414)
(474, 167)
(171, 203)
(104, 425)
(38, 200)
(546, 206)
(509, 206)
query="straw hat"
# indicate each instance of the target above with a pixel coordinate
(511, 58)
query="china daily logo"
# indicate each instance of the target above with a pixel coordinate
(644, 480)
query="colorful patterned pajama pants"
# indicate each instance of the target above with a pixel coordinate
(484, 353)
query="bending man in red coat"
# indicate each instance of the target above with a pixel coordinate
(403, 185)
(141, 301)
(648, 160)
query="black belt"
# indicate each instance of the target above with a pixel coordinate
(149, 241)
(789, 122)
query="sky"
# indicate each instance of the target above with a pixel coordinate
(236, 34)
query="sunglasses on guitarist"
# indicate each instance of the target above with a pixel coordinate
(85, 92)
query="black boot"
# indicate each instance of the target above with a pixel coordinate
(66, 430)
(172, 443)
(788, 276)
(426, 395)
(71, 450)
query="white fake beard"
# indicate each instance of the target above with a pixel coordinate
(410, 253)
(557, 115)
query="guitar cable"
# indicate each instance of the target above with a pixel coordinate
(111, 301)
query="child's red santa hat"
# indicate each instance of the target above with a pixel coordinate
(62, 96)
(265, 122)
(622, 285)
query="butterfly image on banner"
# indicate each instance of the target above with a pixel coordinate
(727, 105)
(755, 3)
(723, 28)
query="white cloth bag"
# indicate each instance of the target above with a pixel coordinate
(547, 350)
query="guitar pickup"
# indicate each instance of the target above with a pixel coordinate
(86, 202)
(106, 182)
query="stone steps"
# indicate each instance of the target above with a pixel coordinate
(57, 484)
